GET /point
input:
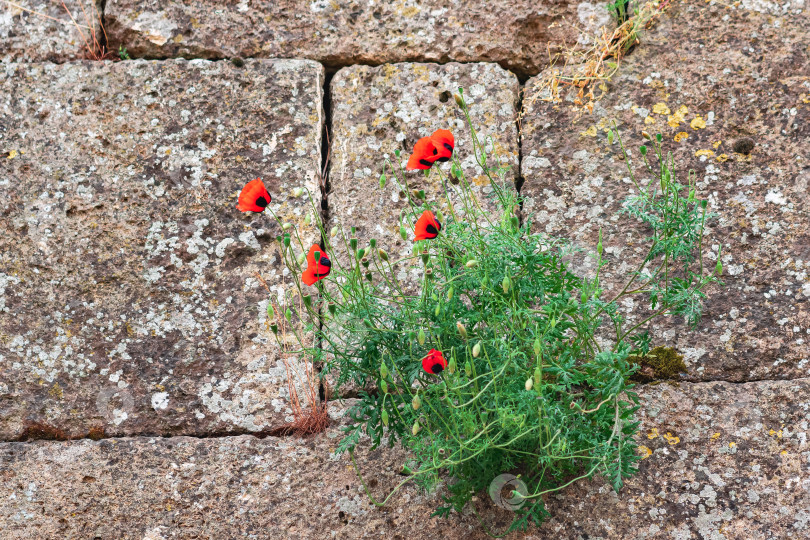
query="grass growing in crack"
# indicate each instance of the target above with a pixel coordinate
(495, 359)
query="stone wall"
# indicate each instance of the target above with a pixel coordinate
(140, 387)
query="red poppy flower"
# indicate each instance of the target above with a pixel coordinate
(443, 141)
(434, 363)
(424, 154)
(254, 197)
(427, 226)
(316, 269)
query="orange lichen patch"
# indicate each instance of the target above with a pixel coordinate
(680, 136)
(590, 132)
(732, 444)
(644, 452)
(653, 433)
(698, 122)
(716, 144)
(671, 439)
(678, 117)
(661, 108)
(649, 120)
(715, 436)
(707, 153)
(778, 434)
(722, 158)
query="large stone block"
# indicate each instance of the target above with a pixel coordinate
(48, 30)
(721, 460)
(727, 86)
(129, 297)
(519, 34)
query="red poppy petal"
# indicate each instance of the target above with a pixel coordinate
(424, 155)
(427, 226)
(253, 197)
(444, 142)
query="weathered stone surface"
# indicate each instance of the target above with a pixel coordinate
(42, 30)
(725, 461)
(377, 110)
(128, 296)
(733, 72)
(518, 34)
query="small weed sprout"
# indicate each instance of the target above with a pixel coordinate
(501, 358)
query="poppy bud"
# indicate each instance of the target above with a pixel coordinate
(384, 417)
(382, 180)
(308, 219)
(368, 276)
(333, 232)
(373, 243)
(461, 330)
(383, 255)
(610, 136)
(332, 308)
(301, 258)
(414, 431)
(529, 384)
(383, 370)
(451, 366)
(287, 226)
(360, 253)
(643, 150)
(397, 152)
(274, 328)
(353, 244)
(450, 293)
(468, 368)
(403, 233)
(472, 263)
(416, 402)
(646, 135)
(288, 314)
(297, 192)
(537, 347)
(459, 100)
(476, 350)
(421, 337)
(438, 310)
(537, 375)
(506, 284)
(308, 301)
(718, 269)
(420, 194)
(384, 387)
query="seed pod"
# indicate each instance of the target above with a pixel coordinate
(384, 386)
(659, 137)
(287, 226)
(472, 263)
(416, 402)
(476, 350)
(425, 257)
(506, 284)
(643, 150)
(360, 253)
(384, 416)
(403, 233)
(286, 240)
(382, 180)
(429, 272)
(332, 308)
(368, 276)
(529, 384)
(365, 262)
(383, 255)
(297, 192)
(288, 314)
(414, 430)
(353, 244)
(397, 152)
(274, 328)
(420, 194)
(421, 337)
(461, 330)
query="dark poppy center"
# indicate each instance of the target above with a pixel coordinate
(261, 202)
(325, 262)
(432, 230)
(448, 146)
(425, 162)
(443, 159)
(435, 151)
(437, 368)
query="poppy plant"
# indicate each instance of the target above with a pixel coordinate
(434, 363)
(428, 150)
(317, 267)
(427, 226)
(253, 197)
